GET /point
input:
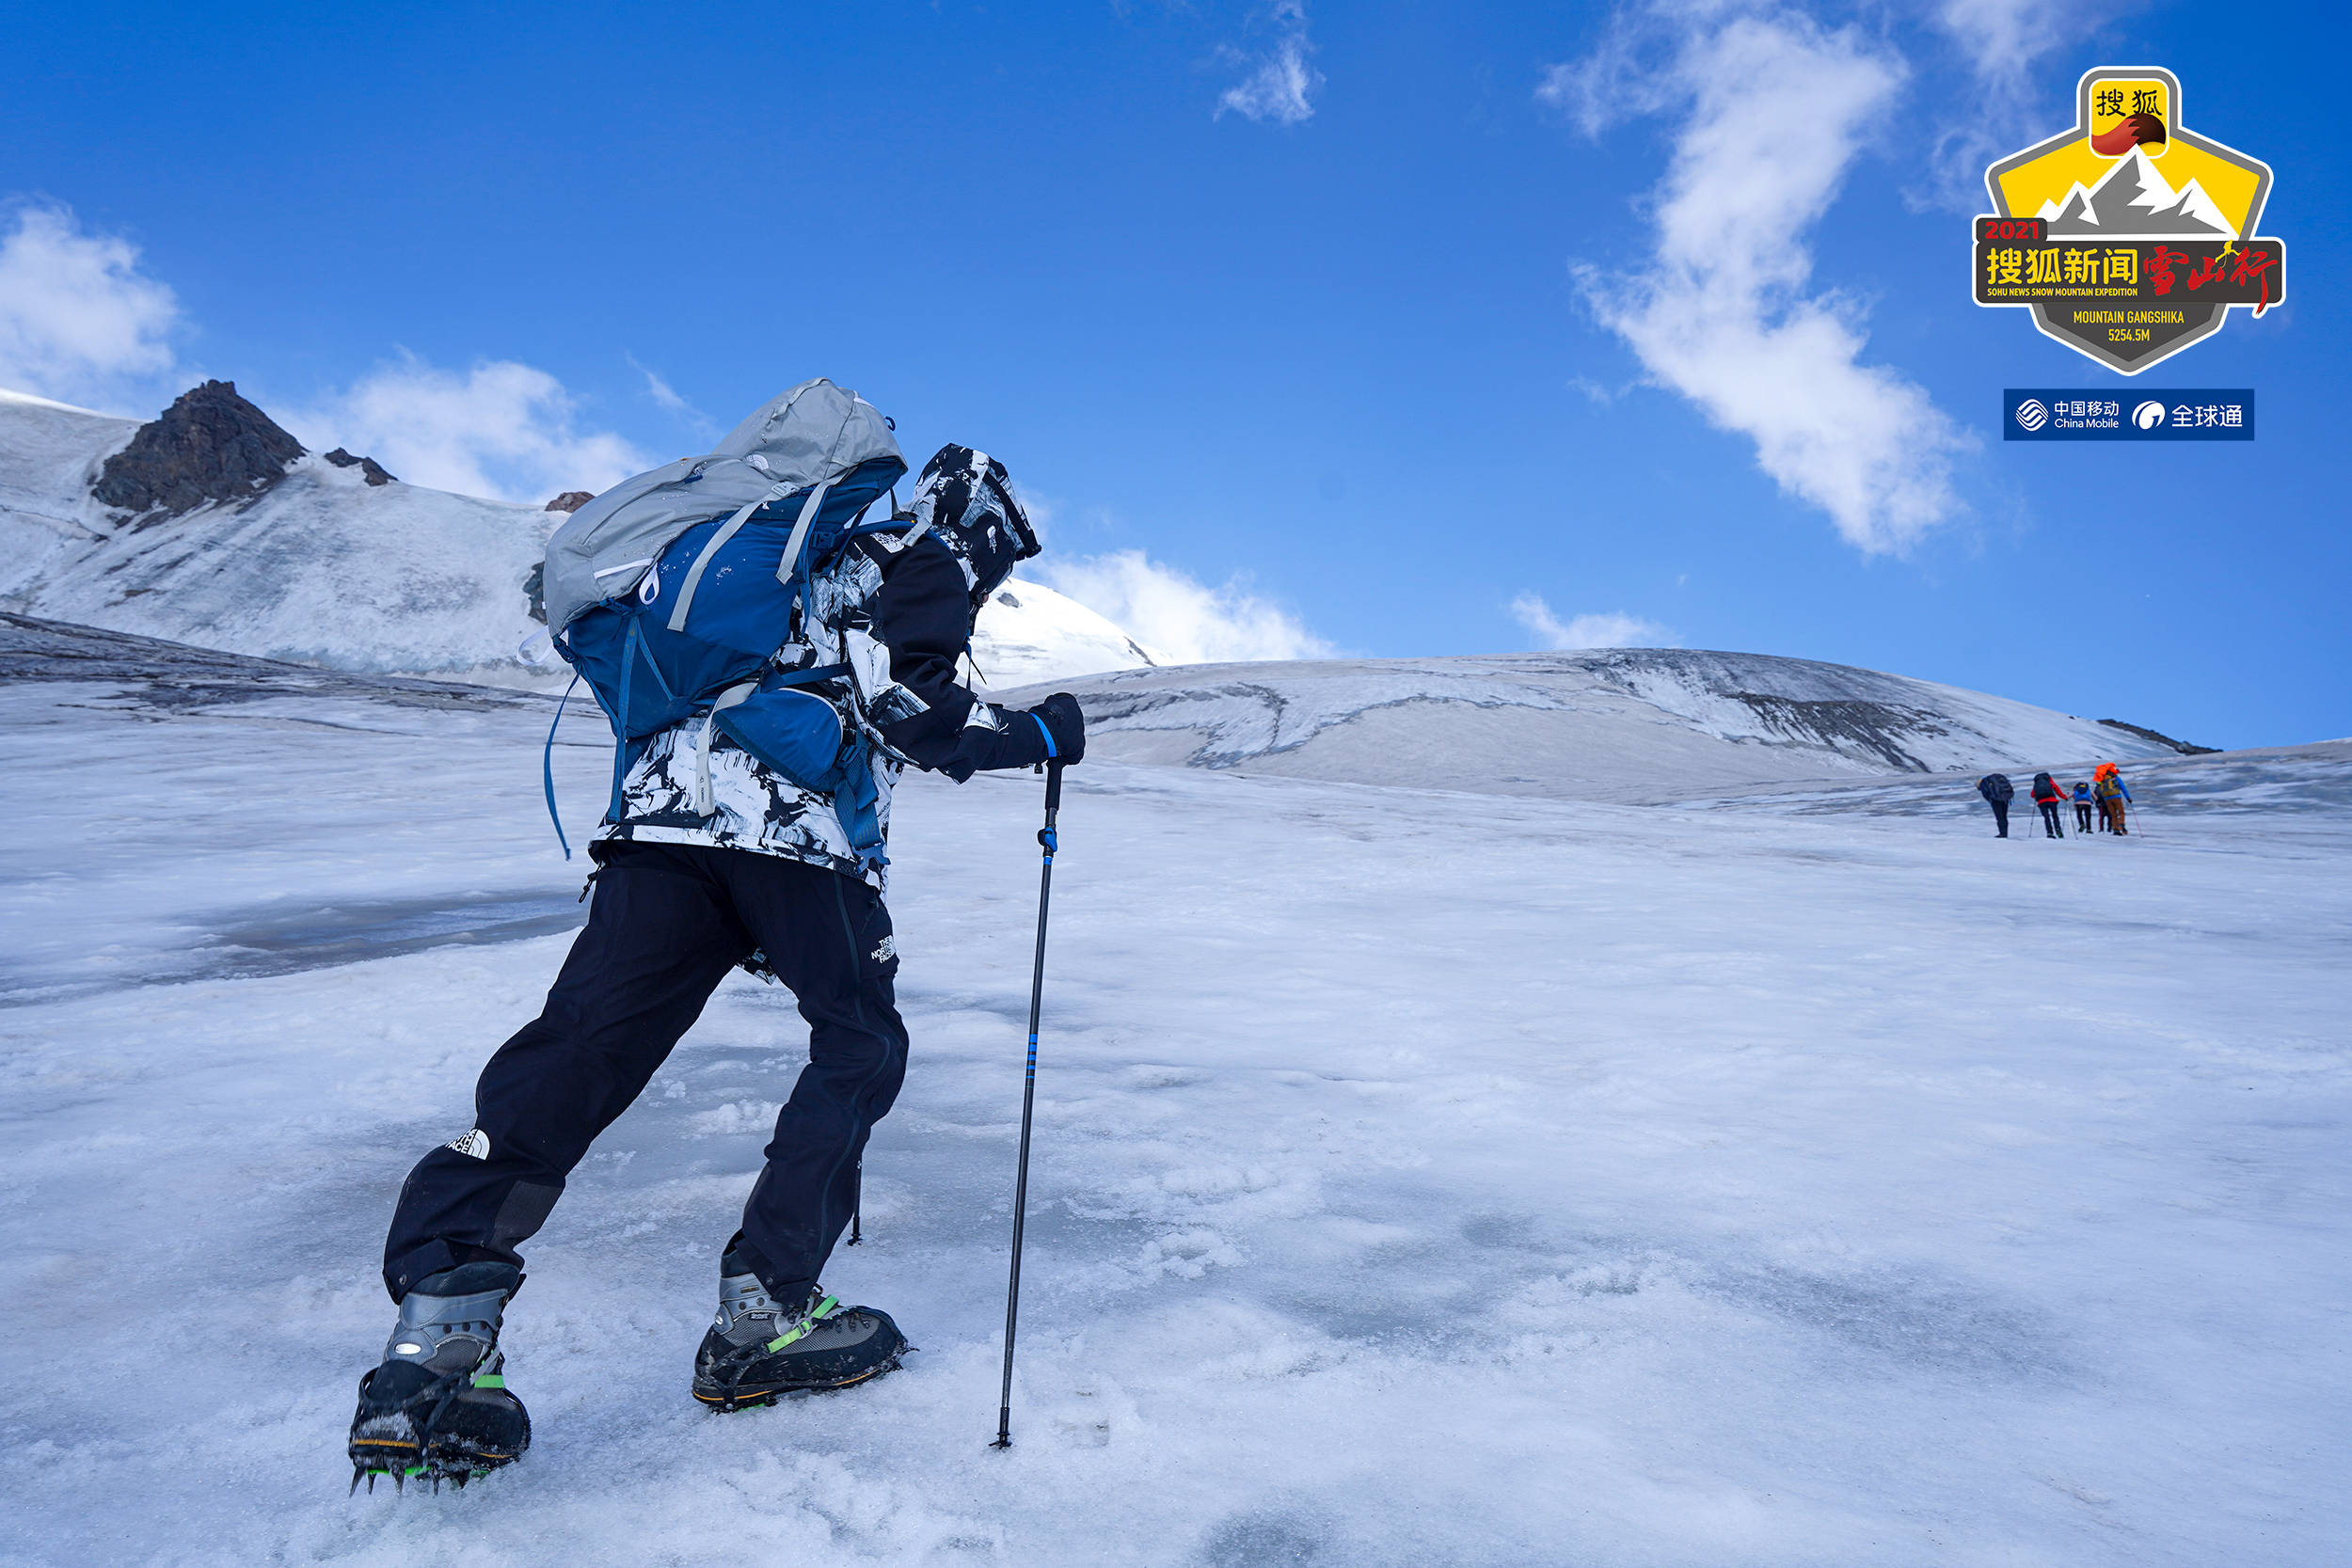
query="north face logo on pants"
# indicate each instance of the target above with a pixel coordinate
(476, 1143)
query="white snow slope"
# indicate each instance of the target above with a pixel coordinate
(326, 569)
(1797, 1181)
(1027, 632)
(322, 568)
(1630, 724)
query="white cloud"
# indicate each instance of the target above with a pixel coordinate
(2003, 42)
(1774, 111)
(1614, 629)
(1621, 78)
(662, 392)
(1180, 620)
(501, 429)
(78, 321)
(2003, 37)
(671, 400)
(1283, 87)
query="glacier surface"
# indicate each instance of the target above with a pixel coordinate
(1794, 1177)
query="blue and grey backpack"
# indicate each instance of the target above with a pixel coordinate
(682, 593)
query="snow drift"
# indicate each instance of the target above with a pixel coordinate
(1627, 724)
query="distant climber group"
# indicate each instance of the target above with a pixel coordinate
(2104, 790)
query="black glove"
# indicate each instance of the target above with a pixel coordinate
(1065, 726)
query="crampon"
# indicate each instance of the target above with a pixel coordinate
(437, 1408)
(453, 1429)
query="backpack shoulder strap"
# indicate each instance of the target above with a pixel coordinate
(726, 531)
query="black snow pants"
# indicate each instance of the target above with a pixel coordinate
(2000, 816)
(2051, 826)
(2082, 816)
(667, 924)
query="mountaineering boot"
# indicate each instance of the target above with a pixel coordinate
(758, 1349)
(438, 1407)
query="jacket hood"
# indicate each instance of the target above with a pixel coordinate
(971, 494)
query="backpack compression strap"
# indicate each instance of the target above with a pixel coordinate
(703, 803)
(790, 563)
(726, 532)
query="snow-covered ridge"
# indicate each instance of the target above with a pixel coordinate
(320, 568)
(325, 568)
(1618, 724)
(1027, 632)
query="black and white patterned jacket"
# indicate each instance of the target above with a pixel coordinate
(899, 607)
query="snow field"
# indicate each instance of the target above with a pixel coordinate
(1582, 1184)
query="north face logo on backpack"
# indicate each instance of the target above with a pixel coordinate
(476, 1143)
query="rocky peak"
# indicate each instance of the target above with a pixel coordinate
(369, 467)
(570, 501)
(211, 445)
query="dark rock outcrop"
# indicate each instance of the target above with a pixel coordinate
(1858, 729)
(2160, 739)
(570, 501)
(211, 445)
(369, 467)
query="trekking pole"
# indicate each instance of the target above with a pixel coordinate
(1045, 839)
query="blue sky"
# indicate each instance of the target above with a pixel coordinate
(1374, 320)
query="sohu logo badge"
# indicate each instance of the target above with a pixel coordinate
(2129, 237)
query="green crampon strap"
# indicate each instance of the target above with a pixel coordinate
(490, 1380)
(809, 1320)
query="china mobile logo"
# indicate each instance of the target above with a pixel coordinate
(2129, 237)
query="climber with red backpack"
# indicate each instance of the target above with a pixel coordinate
(2048, 795)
